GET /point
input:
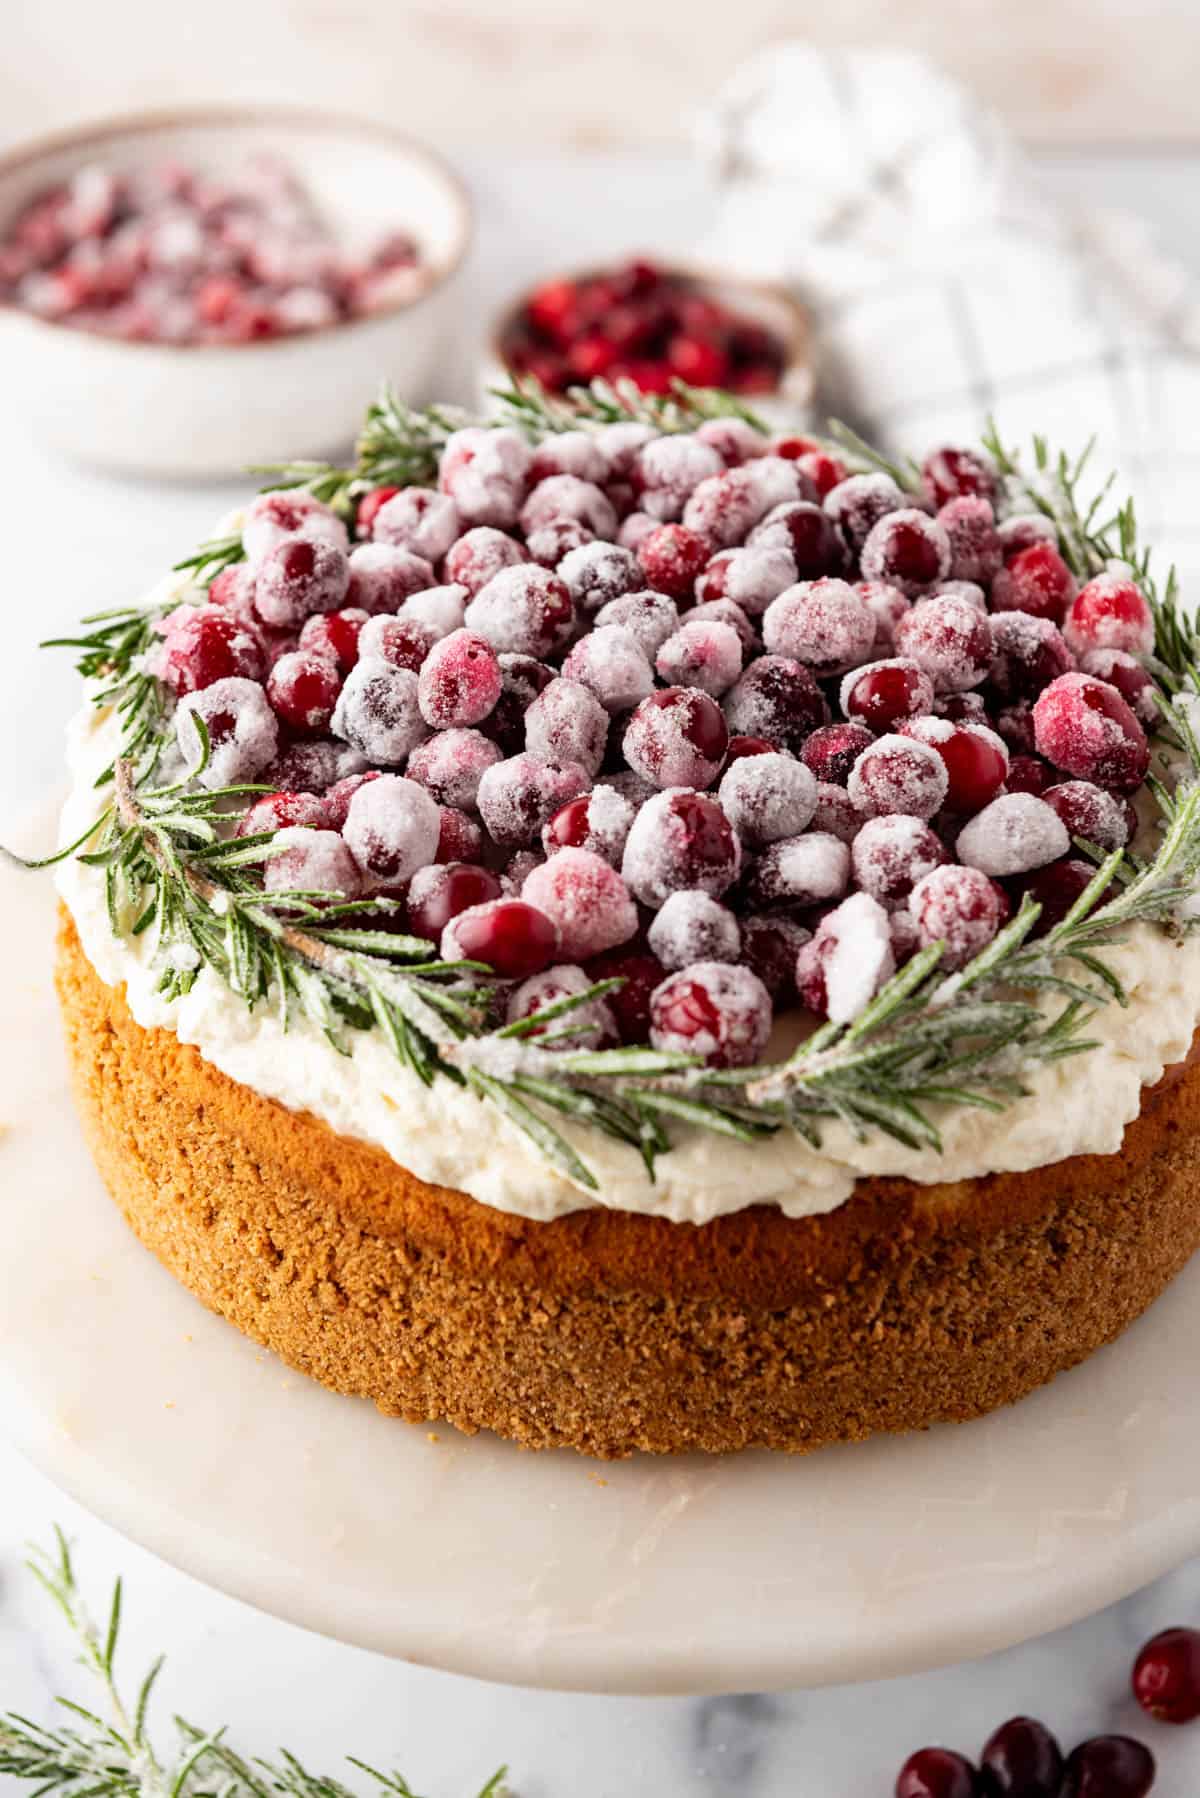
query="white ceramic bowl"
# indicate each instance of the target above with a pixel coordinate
(211, 409)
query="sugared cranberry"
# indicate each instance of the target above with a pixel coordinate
(460, 838)
(404, 642)
(898, 774)
(311, 861)
(976, 553)
(591, 1025)
(459, 681)
(692, 927)
(936, 1773)
(303, 689)
(278, 811)
(888, 605)
(509, 936)
(1085, 728)
(370, 504)
(334, 635)
(1054, 888)
(802, 871)
(1109, 1767)
(849, 958)
(836, 812)
(884, 692)
(485, 473)
(721, 1014)
(909, 549)
(1166, 1676)
(243, 735)
(274, 517)
(392, 828)
(752, 578)
(823, 470)
(825, 624)
(300, 576)
(808, 532)
(960, 908)
(599, 821)
(740, 746)
(1134, 683)
(832, 751)
(202, 645)
(480, 554)
(1013, 835)
(727, 611)
(889, 855)
(612, 664)
(314, 765)
(383, 576)
(1028, 774)
(667, 469)
(680, 839)
(1021, 1759)
(630, 1003)
(771, 941)
(567, 723)
(649, 617)
(1110, 612)
(338, 796)
(777, 698)
(950, 471)
(1038, 581)
(677, 737)
(524, 610)
(768, 797)
(702, 653)
(672, 557)
(858, 503)
(517, 796)
(439, 893)
(735, 440)
(377, 711)
(1092, 813)
(565, 499)
(949, 639)
(451, 764)
(975, 758)
(1027, 654)
(550, 543)
(726, 508)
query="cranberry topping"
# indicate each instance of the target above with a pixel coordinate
(1166, 1676)
(509, 936)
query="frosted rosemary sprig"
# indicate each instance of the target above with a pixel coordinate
(524, 402)
(110, 1752)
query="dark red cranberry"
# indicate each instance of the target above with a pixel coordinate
(677, 737)
(1036, 581)
(513, 938)
(303, 689)
(740, 746)
(887, 692)
(697, 361)
(630, 1005)
(281, 811)
(370, 504)
(438, 896)
(975, 759)
(832, 751)
(776, 698)
(335, 635)
(522, 678)
(1109, 1767)
(951, 472)
(338, 797)
(1055, 888)
(1085, 728)
(568, 828)
(809, 533)
(1021, 1759)
(1029, 774)
(1166, 1676)
(672, 557)
(459, 837)
(936, 1773)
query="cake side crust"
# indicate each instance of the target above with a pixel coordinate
(605, 1331)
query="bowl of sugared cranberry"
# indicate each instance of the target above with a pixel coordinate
(179, 294)
(653, 324)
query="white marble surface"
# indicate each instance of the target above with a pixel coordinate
(73, 542)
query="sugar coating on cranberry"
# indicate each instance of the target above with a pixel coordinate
(290, 512)
(677, 737)
(515, 797)
(1027, 654)
(719, 1013)
(314, 766)
(419, 520)
(460, 838)
(1090, 812)
(734, 439)
(975, 758)
(1012, 835)
(666, 470)
(672, 557)
(202, 644)
(898, 774)
(953, 470)
(580, 453)
(961, 908)
(392, 828)
(634, 526)
(727, 611)
(1124, 672)
(478, 554)
(825, 624)
(724, 509)
(832, 751)
(587, 899)
(881, 693)
(1084, 727)
(909, 550)
(650, 617)
(1110, 612)
(836, 812)
(508, 935)
(889, 856)
(599, 821)
(297, 577)
(680, 839)
(567, 723)
(276, 811)
(243, 735)
(459, 682)
(1035, 580)
(950, 640)
(888, 605)
(702, 654)
(485, 472)
(976, 553)
(768, 797)
(303, 689)
(805, 530)
(525, 610)
(378, 711)
(598, 572)
(451, 763)
(612, 664)
(750, 577)
(438, 893)
(849, 958)
(404, 642)
(305, 860)
(564, 498)
(805, 870)
(440, 609)
(588, 1026)
(1021, 530)
(383, 576)
(335, 635)
(692, 927)
(857, 504)
(777, 698)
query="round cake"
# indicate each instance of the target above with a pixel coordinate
(616, 929)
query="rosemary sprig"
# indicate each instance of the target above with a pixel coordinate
(928, 1042)
(111, 1753)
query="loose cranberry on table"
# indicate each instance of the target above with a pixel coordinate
(1109, 1767)
(1021, 1759)
(1166, 1676)
(936, 1773)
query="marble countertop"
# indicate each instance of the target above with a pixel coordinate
(75, 542)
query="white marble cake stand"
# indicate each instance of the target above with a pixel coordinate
(694, 1575)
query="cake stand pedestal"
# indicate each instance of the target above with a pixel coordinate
(692, 1575)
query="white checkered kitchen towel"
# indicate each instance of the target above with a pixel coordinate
(945, 287)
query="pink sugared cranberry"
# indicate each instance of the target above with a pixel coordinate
(630, 1003)
(586, 898)
(271, 518)
(524, 610)
(908, 549)
(460, 838)
(650, 617)
(1021, 1759)
(378, 712)
(279, 811)
(612, 664)
(884, 692)
(667, 469)
(383, 576)
(392, 828)
(243, 735)
(898, 774)
(439, 893)
(599, 821)
(811, 869)
(1110, 612)
(591, 1025)
(516, 797)
(975, 758)
(858, 503)
(808, 532)
(1134, 683)
(485, 472)
(451, 764)
(959, 907)
(936, 1773)
(1166, 1676)
(369, 505)
(950, 640)
(1013, 835)
(480, 554)
(567, 723)
(510, 936)
(672, 557)
(202, 645)
(1027, 654)
(703, 654)
(1109, 1767)
(767, 797)
(404, 642)
(1092, 813)
(823, 470)
(976, 553)
(680, 839)
(832, 751)
(314, 765)
(338, 796)
(726, 508)
(727, 611)
(836, 812)
(311, 861)
(721, 1014)
(848, 959)
(297, 577)
(889, 606)
(1036, 580)
(751, 577)
(950, 471)
(459, 682)
(735, 440)
(677, 737)
(597, 572)
(889, 855)
(1084, 727)
(777, 698)
(334, 635)
(565, 499)
(826, 624)
(419, 520)
(303, 689)
(580, 453)
(551, 543)
(1023, 530)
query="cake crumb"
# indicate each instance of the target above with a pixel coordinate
(432, 1436)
